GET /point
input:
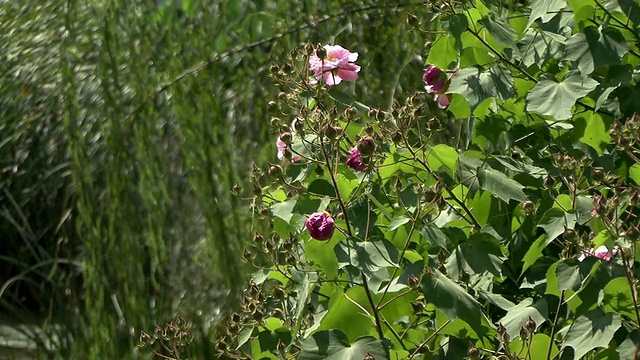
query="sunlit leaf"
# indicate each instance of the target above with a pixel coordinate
(334, 345)
(519, 314)
(556, 99)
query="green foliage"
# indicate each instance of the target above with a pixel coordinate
(495, 217)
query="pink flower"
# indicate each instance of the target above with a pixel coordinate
(337, 65)
(282, 151)
(443, 100)
(320, 226)
(601, 252)
(355, 161)
(434, 78)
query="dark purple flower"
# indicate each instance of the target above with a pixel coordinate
(320, 226)
(355, 161)
(434, 78)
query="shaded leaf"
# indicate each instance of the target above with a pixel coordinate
(592, 49)
(500, 185)
(545, 10)
(367, 256)
(554, 222)
(630, 347)
(500, 29)
(477, 86)
(592, 330)
(539, 45)
(556, 99)
(345, 99)
(334, 345)
(534, 252)
(451, 299)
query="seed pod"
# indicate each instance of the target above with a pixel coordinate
(530, 324)
(417, 306)
(276, 171)
(598, 174)
(549, 181)
(529, 207)
(570, 235)
(473, 353)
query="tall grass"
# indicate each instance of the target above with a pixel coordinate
(124, 126)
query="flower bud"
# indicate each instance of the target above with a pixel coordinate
(434, 79)
(473, 352)
(320, 226)
(570, 235)
(529, 207)
(530, 324)
(321, 52)
(297, 125)
(286, 138)
(366, 146)
(597, 174)
(276, 171)
(549, 181)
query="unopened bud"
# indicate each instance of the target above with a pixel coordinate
(321, 53)
(366, 145)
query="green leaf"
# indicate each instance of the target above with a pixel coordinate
(443, 52)
(367, 256)
(554, 222)
(534, 252)
(556, 99)
(482, 253)
(500, 185)
(477, 86)
(455, 24)
(592, 330)
(630, 347)
(345, 315)
(244, 335)
(592, 49)
(397, 222)
(500, 29)
(536, 349)
(451, 299)
(345, 99)
(634, 173)
(322, 187)
(334, 345)
(590, 129)
(616, 296)
(539, 45)
(568, 275)
(545, 10)
(434, 236)
(519, 314)
(443, 155)
(284, 210)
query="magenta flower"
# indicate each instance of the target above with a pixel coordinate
(337, 65)
(320, 226)
(437, 83)
(355, 161)
(435, 79)
(601, 252)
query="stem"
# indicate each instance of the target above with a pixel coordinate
(553, 325)
(422, 344)
(373, 307)
(335, 185)
(472, 218)
(632, 287)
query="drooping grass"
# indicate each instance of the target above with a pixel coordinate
(123, 127)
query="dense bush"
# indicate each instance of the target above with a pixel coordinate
(493, 214)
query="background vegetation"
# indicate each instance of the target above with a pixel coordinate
(124, 126)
